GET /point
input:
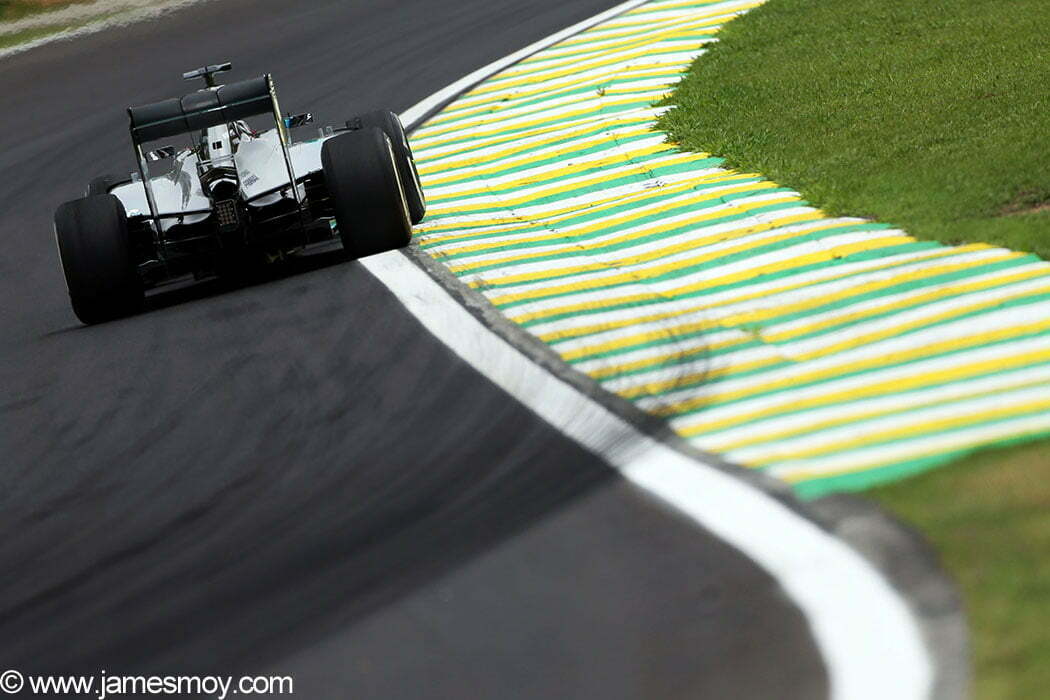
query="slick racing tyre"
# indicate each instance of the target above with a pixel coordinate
(369, 202)
(95, 250)
(406, 164)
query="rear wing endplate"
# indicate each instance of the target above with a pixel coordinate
(200, 110)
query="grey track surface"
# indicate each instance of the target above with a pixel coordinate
(294, 477)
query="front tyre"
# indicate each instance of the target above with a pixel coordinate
(391, 125)
(363, 182)
(95, 250)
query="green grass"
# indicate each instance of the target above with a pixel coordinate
(11, 10)
(9, 40)
(39, 32)
(27, 35)
(931, 115)
(989, 517)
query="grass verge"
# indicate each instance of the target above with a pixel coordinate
(27, 35)
(32, 34)
(44, 22)
(989, 517)
(930, 115)
(11, 10)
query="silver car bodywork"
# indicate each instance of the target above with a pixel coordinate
(263, 179)
(229, 195)
(235, 199)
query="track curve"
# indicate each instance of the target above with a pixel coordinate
(295, 476)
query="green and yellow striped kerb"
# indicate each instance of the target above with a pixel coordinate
(834, 353)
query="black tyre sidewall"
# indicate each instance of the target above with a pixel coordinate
(95, 251)
(391, 125)
(363, 182)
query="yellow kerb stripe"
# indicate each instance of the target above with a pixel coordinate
(477, 133)
(565, 170)
(680, 354)
(489, 103)
(612, 221)
(657, 271)
(750, 317)
(898, 385)
(940, 292)
(918, 427)
(927, 448)
(515, 146)
(744, 292)
(473, 168)
(646, 41)
(904, 327)
(633, 260)
(764, 314)
(557, 130)
(509, 224)
(770, 434)
(570, 72)
(630, 21)
(853, 342)
(630, 169)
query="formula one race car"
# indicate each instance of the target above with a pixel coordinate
(234, 195)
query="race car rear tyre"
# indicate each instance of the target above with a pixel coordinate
(95, 250)
(390, 123)
(363, 182)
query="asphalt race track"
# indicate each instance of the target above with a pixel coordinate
(294, 477)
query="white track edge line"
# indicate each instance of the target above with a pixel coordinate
(870, 642)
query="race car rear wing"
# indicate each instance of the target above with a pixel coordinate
(200, 110)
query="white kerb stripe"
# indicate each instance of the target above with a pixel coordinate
(869, 641)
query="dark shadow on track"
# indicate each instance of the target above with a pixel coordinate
(185, 292)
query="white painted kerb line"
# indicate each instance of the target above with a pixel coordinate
(870, 642)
